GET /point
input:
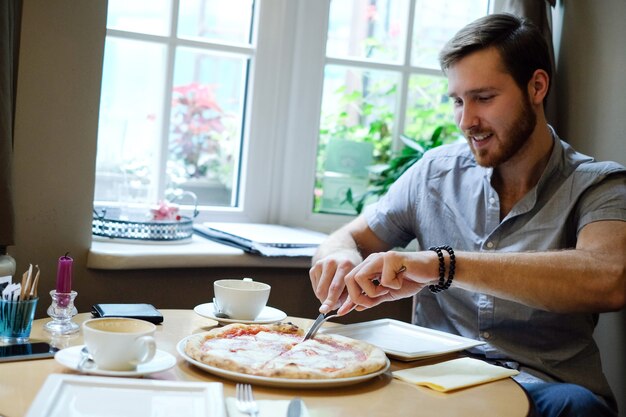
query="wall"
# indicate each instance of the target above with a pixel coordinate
(592, 117)
(55, 134)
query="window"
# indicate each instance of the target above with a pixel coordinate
(381, 79)
(267, 110)
(172, 103)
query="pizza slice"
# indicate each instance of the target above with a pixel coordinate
(243, 348)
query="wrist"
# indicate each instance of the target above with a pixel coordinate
(445, 270)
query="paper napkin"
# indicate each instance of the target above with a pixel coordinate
(454, 374)
(267, 408)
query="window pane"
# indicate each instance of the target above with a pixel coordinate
(142, 16)
(357, 120)
(372, 29)
(130, 121)
(206, 125)
(428, 106)
(211, 20)
(436, 22)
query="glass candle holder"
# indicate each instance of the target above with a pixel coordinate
(61, 311)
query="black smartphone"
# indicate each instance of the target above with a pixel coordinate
(132, 310)
(26, 351)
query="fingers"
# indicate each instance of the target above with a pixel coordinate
(391, 276)
(376, 279)
(363, 282)
(327, 278)
(339, 284)
(346, 307)
(318, 275)
(336, 295)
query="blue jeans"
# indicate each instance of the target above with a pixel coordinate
(564, 400)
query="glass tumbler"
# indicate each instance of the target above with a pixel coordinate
(16, 320)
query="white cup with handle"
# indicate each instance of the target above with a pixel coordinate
(241, 299)
(119, 343)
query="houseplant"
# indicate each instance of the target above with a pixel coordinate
(382, 176)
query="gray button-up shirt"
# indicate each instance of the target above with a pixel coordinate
(447, 198)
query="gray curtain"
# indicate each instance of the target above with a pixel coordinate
(538, 12)
(10, 16)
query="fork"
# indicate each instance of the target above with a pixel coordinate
(245, 400)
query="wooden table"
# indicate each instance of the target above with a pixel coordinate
(381, 396)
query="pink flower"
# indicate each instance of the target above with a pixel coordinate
(371, 12)
(395, 29)
(165, 211)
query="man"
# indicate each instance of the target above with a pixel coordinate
(528, 236)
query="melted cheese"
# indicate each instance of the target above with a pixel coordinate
(277, 354)
(317, 355)
(252, 350)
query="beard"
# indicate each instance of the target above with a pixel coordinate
(516, 133)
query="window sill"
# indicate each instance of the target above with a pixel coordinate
(198, 253)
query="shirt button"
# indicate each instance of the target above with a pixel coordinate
(492, 200)
(490, 245)
(486, 335)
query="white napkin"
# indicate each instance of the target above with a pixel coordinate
(267, 408)
(454, 374)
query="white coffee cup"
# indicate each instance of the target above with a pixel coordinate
(241, 299)
(119, 344)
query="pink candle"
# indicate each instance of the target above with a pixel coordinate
(64, 274)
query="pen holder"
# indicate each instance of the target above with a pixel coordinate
(61, 311)
(16, 319)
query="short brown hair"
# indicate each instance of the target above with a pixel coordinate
(522, 48)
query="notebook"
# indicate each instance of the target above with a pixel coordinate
(263, 239)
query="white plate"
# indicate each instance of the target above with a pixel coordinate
(277, 382)
(77, 395)
(268, 315)
(404, 341)
(162, 361)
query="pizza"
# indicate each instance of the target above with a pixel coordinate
(279, 351)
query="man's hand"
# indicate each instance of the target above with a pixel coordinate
(336, 257)
(390, 276)
(327, 278)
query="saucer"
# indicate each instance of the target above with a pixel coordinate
(268, 315)
(70, 357)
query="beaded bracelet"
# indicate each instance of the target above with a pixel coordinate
(443, 284)
(442, 271)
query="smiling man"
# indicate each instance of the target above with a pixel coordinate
(526, 237)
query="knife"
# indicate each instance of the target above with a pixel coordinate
(320, 320)
(315, 326)
(295, 408)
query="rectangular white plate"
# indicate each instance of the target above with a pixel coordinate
(402, 340)
(79, 395)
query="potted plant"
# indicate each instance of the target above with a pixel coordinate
(382, 176)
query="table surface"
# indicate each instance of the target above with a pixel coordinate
(381, 396)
